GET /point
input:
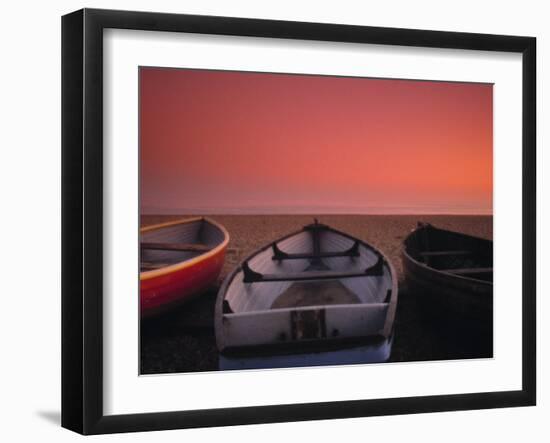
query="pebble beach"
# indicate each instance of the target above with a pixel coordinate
(183, 340)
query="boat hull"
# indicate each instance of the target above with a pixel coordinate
(189, 272)
(361, 354)
(306, 295)
(460, 307)
(181, 285)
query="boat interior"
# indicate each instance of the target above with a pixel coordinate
(176, 243)
(452, 252)
(314, 267)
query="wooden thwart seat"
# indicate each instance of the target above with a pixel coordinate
(251, 276)
(469, 271)
(353, 251)
(190, 247)
(444, 253)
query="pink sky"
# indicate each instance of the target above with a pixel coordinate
(224, 142)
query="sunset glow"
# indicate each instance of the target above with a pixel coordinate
(234, 142)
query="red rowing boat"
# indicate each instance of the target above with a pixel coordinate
(179, 260)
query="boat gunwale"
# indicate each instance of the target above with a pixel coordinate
(147, 275)
(392, 304)
(457, 278)
(306, 346)
(306, 308)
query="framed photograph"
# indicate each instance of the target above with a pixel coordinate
(268, 221)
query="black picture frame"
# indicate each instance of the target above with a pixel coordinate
(82, 218)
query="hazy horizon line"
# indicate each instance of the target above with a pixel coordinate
(308, 210)
(199, 213)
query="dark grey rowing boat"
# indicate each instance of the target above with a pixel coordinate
(451, 274)
(316, 286)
